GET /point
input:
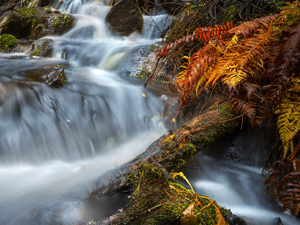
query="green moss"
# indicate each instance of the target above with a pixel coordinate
(36, 53)
(153, 48)
(170, 144)
(55, 22)
(189, 149)
(143, 74)
(47, 9)
(60, 65)
(67, 20)
(26, 13)
(8, 42)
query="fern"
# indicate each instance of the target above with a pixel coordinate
(285, 184)
(288, 122)
(203, 33)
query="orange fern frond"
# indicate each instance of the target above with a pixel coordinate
(248, 28)
(203, 33)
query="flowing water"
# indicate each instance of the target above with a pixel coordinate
(55, 143)
(231, 173)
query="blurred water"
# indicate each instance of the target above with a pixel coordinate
(55, 143)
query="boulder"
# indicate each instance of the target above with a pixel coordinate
(51, 24)
(19, 22)
(125, 17)
(42, 48)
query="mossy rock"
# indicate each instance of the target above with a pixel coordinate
(125, 25)
(42, 48)
(20, 21)
(8, 43)
(51, 24)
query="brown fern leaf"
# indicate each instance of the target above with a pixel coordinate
(285, 66)
(203, 33)
(285, 184)
(244, 108)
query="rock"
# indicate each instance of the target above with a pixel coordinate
(277, 221)
(125, 17)
(143, 4)
(8, 43)
(56, 78)
(42, 48)
(4, 17)
(51, 24)
(19, 22)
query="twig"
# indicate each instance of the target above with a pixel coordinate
(151, 18)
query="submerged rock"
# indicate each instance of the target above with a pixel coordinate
(42, 48)
(51, 24)
(53, 76)
(56, 78)
(125, 17)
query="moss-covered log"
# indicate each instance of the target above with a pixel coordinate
(158, 200)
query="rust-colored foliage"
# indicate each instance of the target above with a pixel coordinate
(286, 65)
(284, 183)
(203, 33)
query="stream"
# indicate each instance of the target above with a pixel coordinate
(56, 142)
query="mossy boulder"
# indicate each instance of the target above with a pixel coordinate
(19, 22)
(51, 24)
(125, 17)
(42, 48)
(8, 43)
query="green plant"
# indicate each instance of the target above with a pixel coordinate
(55, 22)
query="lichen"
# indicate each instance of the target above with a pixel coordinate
(7, 42)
